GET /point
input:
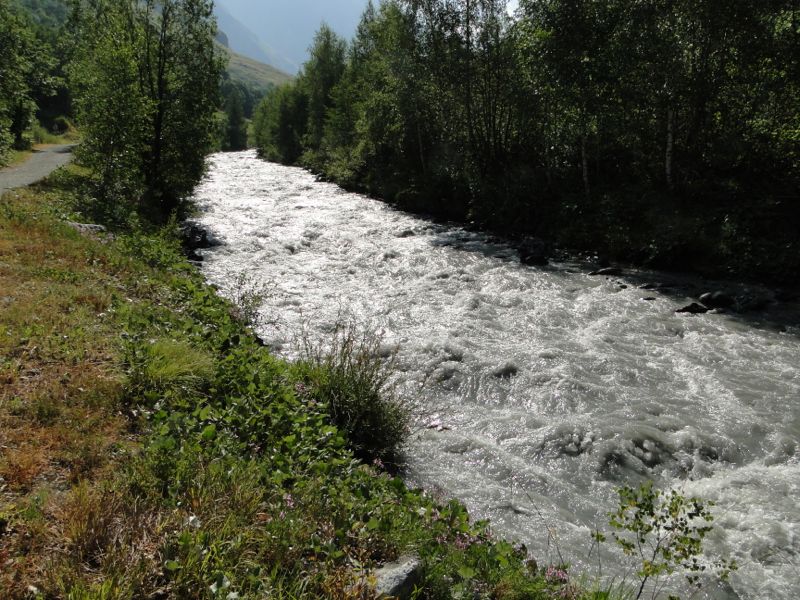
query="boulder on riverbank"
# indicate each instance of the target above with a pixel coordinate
(693, 309)
(197, 237)
(87, 228)
(398, 579)
(717, 299)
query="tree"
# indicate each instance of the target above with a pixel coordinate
(19, 67)
(280, 123)
(112, 108)
(663, 131)
(235, 124)
(320, 75)
(154, 63)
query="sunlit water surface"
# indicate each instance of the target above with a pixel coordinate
(540, 390)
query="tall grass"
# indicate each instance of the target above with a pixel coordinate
(40, 135)
(348, 375)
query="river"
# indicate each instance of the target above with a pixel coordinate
(539, 390)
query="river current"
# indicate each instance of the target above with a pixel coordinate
(538, 390)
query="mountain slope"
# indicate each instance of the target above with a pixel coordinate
(287, 28)
(245, 42)
(255, 74)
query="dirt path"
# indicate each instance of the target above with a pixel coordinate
(42, 162)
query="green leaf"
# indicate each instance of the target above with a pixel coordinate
(172, 566)
(209, 432)
(466, 572)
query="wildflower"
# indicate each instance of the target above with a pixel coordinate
(463, 541)
(556, 575)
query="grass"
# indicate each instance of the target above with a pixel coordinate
(151, 448)
(17, 157)
(42, 137)
(350, 377)
(254, 73)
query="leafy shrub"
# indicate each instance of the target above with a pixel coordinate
(61, 125)
(351, 379)
(40, 135)
(664, 532)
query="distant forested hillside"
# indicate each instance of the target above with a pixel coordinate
(663, 133)
(51, 13)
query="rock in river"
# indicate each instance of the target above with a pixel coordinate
(533, 252)
(694, 309)
(505, 370)
(607, 271)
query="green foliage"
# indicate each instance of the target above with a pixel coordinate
(17, 66)
(146, 78)
(280, 124)
(664, 532)
(320, 75)
(348, 376)
(32, 85)
(235, 137)
(111, 109)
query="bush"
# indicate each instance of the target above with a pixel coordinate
(40, 135)
(351, 379)
(663, 533)
(248, 294)
(61, 125)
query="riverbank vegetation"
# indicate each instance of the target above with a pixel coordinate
(662, 133)
(152, 447)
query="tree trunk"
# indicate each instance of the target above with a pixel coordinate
(670, 147)
(585, 166)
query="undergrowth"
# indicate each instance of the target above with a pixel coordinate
(152, 448)
(350, 377)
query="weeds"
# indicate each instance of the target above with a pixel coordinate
(248, 295)
(348, 376)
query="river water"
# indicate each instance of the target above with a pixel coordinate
(539, 390)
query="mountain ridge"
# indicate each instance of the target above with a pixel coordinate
(286, 29)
